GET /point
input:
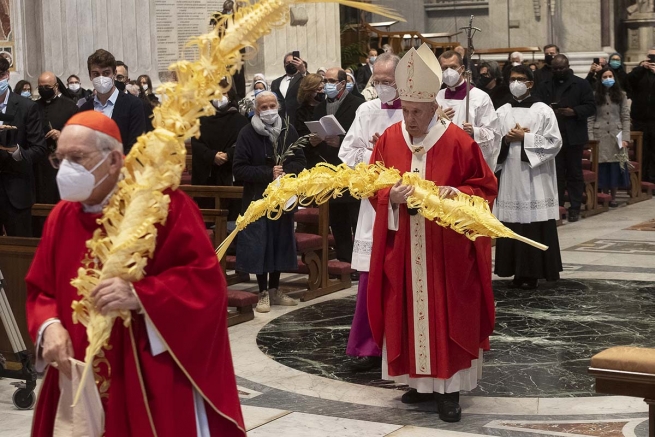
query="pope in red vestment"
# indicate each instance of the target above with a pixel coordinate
(430, 299)
(187, 387)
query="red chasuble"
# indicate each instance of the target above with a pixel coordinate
(184, 294)
(435, 323)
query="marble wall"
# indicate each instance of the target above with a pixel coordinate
(59, 35)
(412, 11)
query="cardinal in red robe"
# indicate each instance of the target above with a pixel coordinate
(170, 372)
(430, 300)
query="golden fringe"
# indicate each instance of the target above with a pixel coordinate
(127, 238)
(467, 215)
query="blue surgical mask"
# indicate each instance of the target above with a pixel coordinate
(615, 64)
(608, 82)
(331, 90)
(27, 94)
(257, 92)
(372, 59)
(349, 86)
(4, 85)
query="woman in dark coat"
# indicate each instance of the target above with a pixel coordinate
(213, 151)
(266, 247)
(310, 94)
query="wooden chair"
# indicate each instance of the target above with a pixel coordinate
(638, 191)
(590, 176)
(627, 371)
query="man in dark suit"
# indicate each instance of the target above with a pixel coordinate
(125, 109)
(122, 79)
(572, 99)
(21, 147)
(343, 105)
(546, 72)
(365, 71)
(286, 87)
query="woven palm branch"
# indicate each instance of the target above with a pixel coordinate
(127, 238)
(467, 215)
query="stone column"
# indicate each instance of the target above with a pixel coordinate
(640, 27)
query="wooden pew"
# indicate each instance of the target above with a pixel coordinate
(220, 228)
(627, 371)
(638, 191)
(590, 176)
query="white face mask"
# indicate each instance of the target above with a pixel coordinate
(74, 86)
(103, 84)
(269, 117)
(450, 77)
(75, 182)
(144, 86)
(221, 103)
(518, 89)
(386, 93)
(514, 64)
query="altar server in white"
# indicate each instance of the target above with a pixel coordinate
(527, 200)
(483, 122)
(372, 119)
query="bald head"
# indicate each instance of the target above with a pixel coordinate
(560, 61)
(48, 78)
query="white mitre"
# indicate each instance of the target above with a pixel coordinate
(418, 75)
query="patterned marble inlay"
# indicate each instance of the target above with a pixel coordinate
(541, 346)
(616, 246)
(646, 226)
(601, 428)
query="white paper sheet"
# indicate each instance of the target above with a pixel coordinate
(87, 418)
(619, 140)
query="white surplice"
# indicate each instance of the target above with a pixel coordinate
(356, 147)
(482, 116)
(527, 192)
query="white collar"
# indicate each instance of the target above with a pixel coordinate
(436, 129)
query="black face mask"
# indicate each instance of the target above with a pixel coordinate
(561, 75)
(548, 59)
(290, 69)
(484, 81)
(46, 93)
(120, 85)
(319, 97)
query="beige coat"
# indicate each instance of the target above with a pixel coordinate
(610, 119)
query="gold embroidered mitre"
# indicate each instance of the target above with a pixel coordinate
(418, 75)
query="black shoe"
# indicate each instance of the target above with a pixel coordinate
(516, 283)
(414, 397)
(531, 284)
(448, 407)
(613, 204)
(574, 215)
(365, 364)
(354, 276)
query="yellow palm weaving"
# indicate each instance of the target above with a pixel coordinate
(468, 215)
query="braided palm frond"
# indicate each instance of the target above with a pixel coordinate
(467, 215)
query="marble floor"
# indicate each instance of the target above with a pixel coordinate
(294, 378)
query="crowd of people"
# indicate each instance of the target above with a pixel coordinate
(513, 134)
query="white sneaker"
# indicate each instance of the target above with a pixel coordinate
(279, 298)
(264, 304)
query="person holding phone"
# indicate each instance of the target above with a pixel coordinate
(642, 83)
(597, 65)
(286, 87)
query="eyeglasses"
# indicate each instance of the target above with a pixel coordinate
(519, 79)
(384, 82)
(331, 81)
(75, 157)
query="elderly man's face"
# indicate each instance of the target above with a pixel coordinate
(418, 116)
(77, 144)
(48, 81)
(266, 103)
(384, 74)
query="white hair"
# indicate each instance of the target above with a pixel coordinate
(517, 55)
(263, 95)
(105, 142)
